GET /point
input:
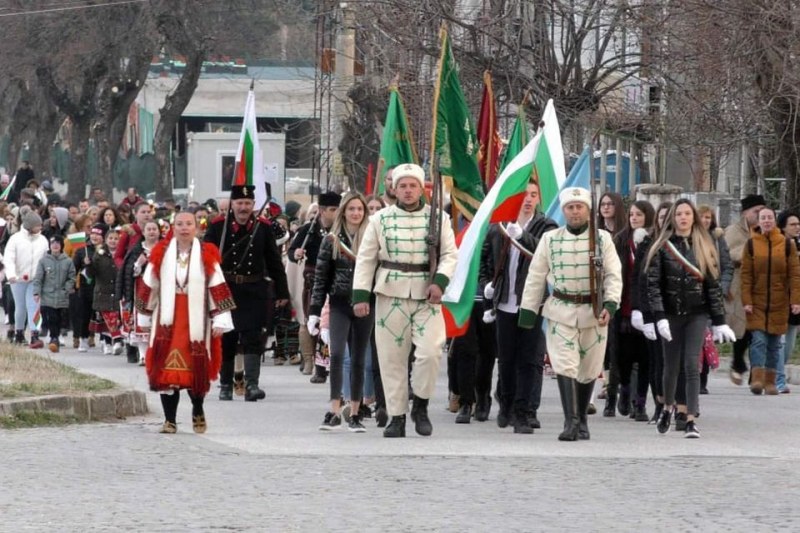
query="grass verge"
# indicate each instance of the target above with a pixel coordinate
(35, 419)
(25, 373)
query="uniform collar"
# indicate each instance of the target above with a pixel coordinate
(235, 226)
(578, 230)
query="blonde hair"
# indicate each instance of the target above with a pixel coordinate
(340, 223)
(705, 252)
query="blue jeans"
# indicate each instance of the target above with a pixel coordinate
(24, 306)
(369, 385)
(785, 355)
(765, 350)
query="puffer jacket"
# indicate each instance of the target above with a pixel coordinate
(770, 281)
(126, 278)
(673, 291)
(23, 253)
(54, 281)
(332, 277)
(104, 271)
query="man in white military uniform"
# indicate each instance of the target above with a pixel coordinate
(576, 339)
(393, 263)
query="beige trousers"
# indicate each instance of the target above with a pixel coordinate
(399, 324)
(576, 353)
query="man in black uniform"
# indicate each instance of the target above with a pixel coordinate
(304, 250)
(249, 255)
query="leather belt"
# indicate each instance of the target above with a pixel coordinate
(573, 298)
(238, 279)
(405, 267)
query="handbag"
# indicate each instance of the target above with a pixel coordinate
(710, 353)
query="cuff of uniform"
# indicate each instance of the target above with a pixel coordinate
(718, 320)
(441, 281)
(611, 307)
(361, 296)
(660, 315)
(314, 310)
(527, 318)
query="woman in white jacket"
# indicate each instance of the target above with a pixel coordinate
(24, 250)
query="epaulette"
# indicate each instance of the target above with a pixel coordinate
(264, 220)
(218, 218)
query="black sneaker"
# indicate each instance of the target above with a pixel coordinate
(680, 421)
(355, 425)
(664, 421)
(331, 422)
(691, 431)
(364, 411)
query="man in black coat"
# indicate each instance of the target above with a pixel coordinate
(249, 256)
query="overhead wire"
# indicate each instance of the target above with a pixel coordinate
(70, 8)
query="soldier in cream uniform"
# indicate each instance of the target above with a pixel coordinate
(576, 340)
(393, 263)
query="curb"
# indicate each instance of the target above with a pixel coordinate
(114, 404)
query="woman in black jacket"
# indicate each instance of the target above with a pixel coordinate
(683, 290)
(631, 346)
(333, 279)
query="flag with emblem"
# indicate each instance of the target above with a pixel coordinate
(249, 168)
(453, 140)
(397, 143)
(508, 189)
(488, 137)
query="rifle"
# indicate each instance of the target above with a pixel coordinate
(311, 230)
(435, 225)
(595, 254)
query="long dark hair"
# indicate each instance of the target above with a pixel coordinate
(619, 212)
(649, 219)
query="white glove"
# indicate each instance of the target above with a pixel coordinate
(325, 336)
(313, 325)
(723, 333)
(637, 320)
(488, 291)
(514, 230)
(649, 331)
(488, 316)
(663, 329)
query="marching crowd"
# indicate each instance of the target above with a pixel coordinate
(350, 291)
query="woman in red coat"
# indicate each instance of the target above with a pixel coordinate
(184, 292)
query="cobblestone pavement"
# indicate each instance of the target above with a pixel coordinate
(264, 466)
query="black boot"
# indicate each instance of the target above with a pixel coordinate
(19, 338)
(533, 420)
(624, 402)
(132, 352)
(522, 422)
(10, 334)
(483, 407)
(584, 396)
(464, 414)
(640, 409)
(569, 403)
(396, 428)
(252, 372)
(320, 375)
(419, 415)
(381, 417)
(225, 392)
(504, 415)
(610, 410)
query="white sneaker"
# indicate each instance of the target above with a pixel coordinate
(83, 345)
(117, 349)
(106, 348)
(5, 320)
(62, 340)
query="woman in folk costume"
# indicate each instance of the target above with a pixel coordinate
(185, 293)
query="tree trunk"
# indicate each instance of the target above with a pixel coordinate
(169, 115)
(79, 148)
(44, 133)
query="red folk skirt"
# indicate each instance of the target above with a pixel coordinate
(175, 362)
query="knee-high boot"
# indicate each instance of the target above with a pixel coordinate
(584, 397)
(569, 403)
(226, 379)
(252, 372)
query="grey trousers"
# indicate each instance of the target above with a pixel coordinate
(688, 333)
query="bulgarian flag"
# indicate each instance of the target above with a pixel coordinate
(77, 240)
(249, 158)
(37, 319)
(550, 158)
(507, 191)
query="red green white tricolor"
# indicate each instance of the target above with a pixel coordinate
(542, 156)
(249, 158)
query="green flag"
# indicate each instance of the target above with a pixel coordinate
(454, 141)
(517, 141)
(397, 145)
